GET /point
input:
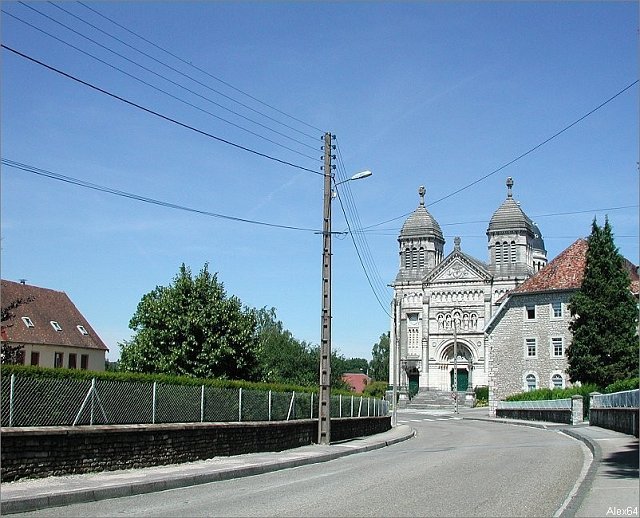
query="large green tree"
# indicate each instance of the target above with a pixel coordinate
(604, 348)
(11, 353)
(379, 366)
(192, 328)
(283, 358)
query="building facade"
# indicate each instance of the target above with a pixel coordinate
(50, 329)
(442, 303)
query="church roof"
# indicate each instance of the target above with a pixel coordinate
(481, 268)
(538, 242)
(421, 223)
(510, 216)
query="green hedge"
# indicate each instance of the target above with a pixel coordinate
(75, 374)
(622, 385)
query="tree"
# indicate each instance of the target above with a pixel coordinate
(281, 357)
(11, 353)
(379, 366)
(191, 328)
(604, 348)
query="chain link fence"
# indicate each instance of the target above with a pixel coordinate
(27, 401)
(625, 399)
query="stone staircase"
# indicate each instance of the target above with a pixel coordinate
(437, 399)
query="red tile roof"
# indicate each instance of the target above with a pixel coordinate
(47, 305)
(566, 272)
(356, 381)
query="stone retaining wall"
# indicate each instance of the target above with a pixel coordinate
(623, 420)
(61, 450)
(549, 415)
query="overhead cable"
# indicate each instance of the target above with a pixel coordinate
(157, 114)
(116, 192)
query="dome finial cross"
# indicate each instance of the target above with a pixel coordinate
(509, 186)
(422, 191)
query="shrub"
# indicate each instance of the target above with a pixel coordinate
(622, 385)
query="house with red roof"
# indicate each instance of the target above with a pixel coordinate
(50, 329)
(357, 381)
(528, 335)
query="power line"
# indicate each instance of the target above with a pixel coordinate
(157, 114)
(557, 134)
(200, 69)
(116, 192)
(162, 77)
(173, 68)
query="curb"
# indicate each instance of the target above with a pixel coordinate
(25, 504)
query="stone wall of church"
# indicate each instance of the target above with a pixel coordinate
(510, 358)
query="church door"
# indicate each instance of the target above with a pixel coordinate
(463, 380)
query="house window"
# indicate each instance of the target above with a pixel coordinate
(557, 381)
(58, 360)
(531, 312)
(72, 360)
(56, 326)
(82, 330)
(84, 361)
(531, 349)
(532, 383)
(557, 309)
(35, 358)
(557, 347)
(27, 322)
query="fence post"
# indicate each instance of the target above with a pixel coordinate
(153, 404)
(11, 393)
(293, 399)
(312, 405)
(576, 409)
(351, 406)
(360, 408)
(202, 405)
(93, 398)
(240, 404)
(340, 405)
(269, 405)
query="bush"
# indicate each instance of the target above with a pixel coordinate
(565, 393)
(375, 389)
(622, 385)
(482, 392)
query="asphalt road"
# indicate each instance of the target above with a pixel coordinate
(452, 467)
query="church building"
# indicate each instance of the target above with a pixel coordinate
(442, 303)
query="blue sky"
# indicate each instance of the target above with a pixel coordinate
(421, 93)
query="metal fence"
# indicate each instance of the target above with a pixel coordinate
(547, 404)
(27, 401)
(625, 399)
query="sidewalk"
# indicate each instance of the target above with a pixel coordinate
(32, 494)
(611, 485)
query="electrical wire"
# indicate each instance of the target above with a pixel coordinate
(162, 77)
(531, 150)
(200, 69)
(116, 192)
(176, 70)
(157, 114)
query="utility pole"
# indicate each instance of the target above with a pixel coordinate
(324, 399)
(455, 364)
(396, 358)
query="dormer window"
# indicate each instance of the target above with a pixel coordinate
(56, 326)
(82, 330)
(27, 322)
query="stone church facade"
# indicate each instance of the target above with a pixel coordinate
(442, 303)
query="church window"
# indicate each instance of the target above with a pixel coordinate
(557, 381)
(531, 312)
(414, 257)
(505, 252)
(421, 258)
(498, 253)
(532, 382)
(407, 258)
(531, 350)
(513, 251)
(557, 347)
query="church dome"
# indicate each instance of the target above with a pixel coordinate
(510, 216)
(538, 242)
(421, 223)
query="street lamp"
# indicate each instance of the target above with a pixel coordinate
(324, 398)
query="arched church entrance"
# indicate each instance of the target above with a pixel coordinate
(463, 364)
(413, 375)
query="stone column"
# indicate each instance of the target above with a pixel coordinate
(576, 409)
